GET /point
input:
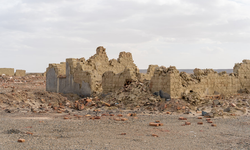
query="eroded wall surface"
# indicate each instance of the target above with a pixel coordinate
(205, 82)
(20, 73)
(98, 74)
(85, 77)
(7, 71)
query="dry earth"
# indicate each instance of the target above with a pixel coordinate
(56, 121)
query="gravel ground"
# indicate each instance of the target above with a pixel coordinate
(51, 131)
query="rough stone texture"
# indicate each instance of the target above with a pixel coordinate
(205, 82)
(98, 74)
(7, 71)
(20, 73)
(85, 77)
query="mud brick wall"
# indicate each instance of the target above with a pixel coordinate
(7, 71)
(79, 73)
(99, 74)
(112, 82)
(211, 84)
(205, 82)
(20, 73)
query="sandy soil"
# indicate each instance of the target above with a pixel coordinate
(51, 131)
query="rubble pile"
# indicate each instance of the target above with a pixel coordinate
(194, 98)
(132, 95)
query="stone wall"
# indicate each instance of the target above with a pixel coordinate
(7, 71)
(98, 74)
(80, 75)
(20, 73)
(205, 82)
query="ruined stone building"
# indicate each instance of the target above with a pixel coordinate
(11, 72)
(98, 74)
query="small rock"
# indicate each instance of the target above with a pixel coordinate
(203, 113)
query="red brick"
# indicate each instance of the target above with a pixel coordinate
(153, 124)
(199, 118)
(154, 135)
(124, 119)
(97, 117)
(200, 123)
(123, 133)
(21, 140)
(213, 125)
(187, 123)
(210, 121)
(182, 118)
(29, 133)
(119, 115)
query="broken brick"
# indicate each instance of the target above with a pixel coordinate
(182, 118)
(200, 123)
(124, 119)
(154, 135)
(153, 124)
(29, 133)
(21, 140)
(97, 117)
(119, 115)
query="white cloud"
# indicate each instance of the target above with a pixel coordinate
(74, 28)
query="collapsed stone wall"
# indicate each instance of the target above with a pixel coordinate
(204, 82)
(98, 74)
(11, 72)
(7, 71)
(85, 77)
(20, 73)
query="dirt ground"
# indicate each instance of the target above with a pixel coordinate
(48, 120)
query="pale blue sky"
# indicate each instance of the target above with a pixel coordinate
(183, 33)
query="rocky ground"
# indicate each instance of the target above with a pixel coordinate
(131, 118)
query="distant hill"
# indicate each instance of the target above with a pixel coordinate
(191, 70)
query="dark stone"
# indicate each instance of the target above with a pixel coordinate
(156, 93)
(164, 95)
(203, 113)
(9, 111)
(209, 115)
